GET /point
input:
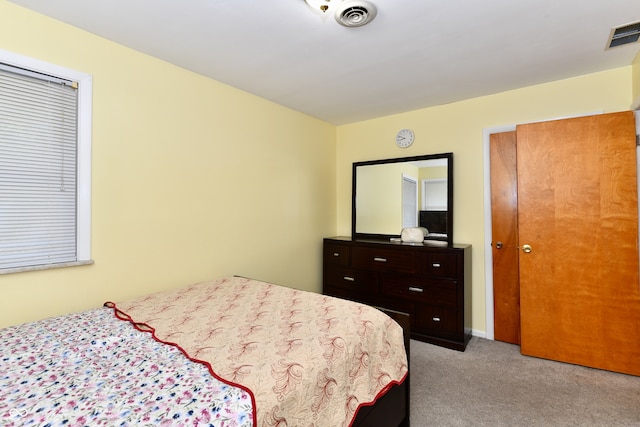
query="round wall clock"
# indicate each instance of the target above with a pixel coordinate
(404, 138)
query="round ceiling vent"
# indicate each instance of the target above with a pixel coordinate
(355, 13)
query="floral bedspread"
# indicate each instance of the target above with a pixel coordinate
(91, 369)
(309, 360)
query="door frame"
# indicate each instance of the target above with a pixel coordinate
(408, 179)
(486, 167)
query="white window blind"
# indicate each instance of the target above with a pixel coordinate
(38, 169)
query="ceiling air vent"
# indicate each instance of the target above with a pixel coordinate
(626, 34)
(355, 13)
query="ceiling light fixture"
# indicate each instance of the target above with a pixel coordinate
(349, 13)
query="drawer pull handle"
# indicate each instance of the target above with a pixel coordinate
(436, 319)
(349, 279)
(436, 265)
(336, 254)
(414, 289)
(378, 259)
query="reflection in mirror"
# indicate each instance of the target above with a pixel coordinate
(392, 194)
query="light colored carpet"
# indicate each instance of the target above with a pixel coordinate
(492, 384)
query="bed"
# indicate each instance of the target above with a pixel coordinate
(228, 352)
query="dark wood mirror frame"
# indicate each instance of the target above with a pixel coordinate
(449, 214)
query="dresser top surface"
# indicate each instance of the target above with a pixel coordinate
(397, 243)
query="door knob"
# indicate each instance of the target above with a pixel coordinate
(498, 245)
(526, 249)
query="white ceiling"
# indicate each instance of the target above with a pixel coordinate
(415, 54)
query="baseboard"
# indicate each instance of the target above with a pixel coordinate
(479, 334)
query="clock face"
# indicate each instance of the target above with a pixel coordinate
(404, 138)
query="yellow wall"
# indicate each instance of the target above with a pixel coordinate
(636, 81)
(192, 179)
(458, 128)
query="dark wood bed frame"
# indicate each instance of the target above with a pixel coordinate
(392, 409)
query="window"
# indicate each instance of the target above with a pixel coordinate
(45, 165)
(434, 194)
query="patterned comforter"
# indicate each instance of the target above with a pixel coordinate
(308, 359)
(267, 356)
(91, 369)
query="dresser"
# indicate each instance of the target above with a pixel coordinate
(430, 283)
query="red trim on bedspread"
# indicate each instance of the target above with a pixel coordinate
(378, 396)
(143, 327)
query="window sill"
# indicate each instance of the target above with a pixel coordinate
(44, 267)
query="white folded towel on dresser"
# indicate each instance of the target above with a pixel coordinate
(413, 234)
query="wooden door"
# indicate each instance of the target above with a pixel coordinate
(578, 211)
(504, 237)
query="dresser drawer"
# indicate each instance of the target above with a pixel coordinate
(383, 259)
(440, 264)
(353, 280)
(419, 290)
(338, 254)
(435, 320)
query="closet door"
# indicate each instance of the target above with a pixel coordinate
(578, 232)
(504, 237)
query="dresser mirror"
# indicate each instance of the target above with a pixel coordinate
(391, 194)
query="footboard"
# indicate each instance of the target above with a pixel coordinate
(392, 409)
